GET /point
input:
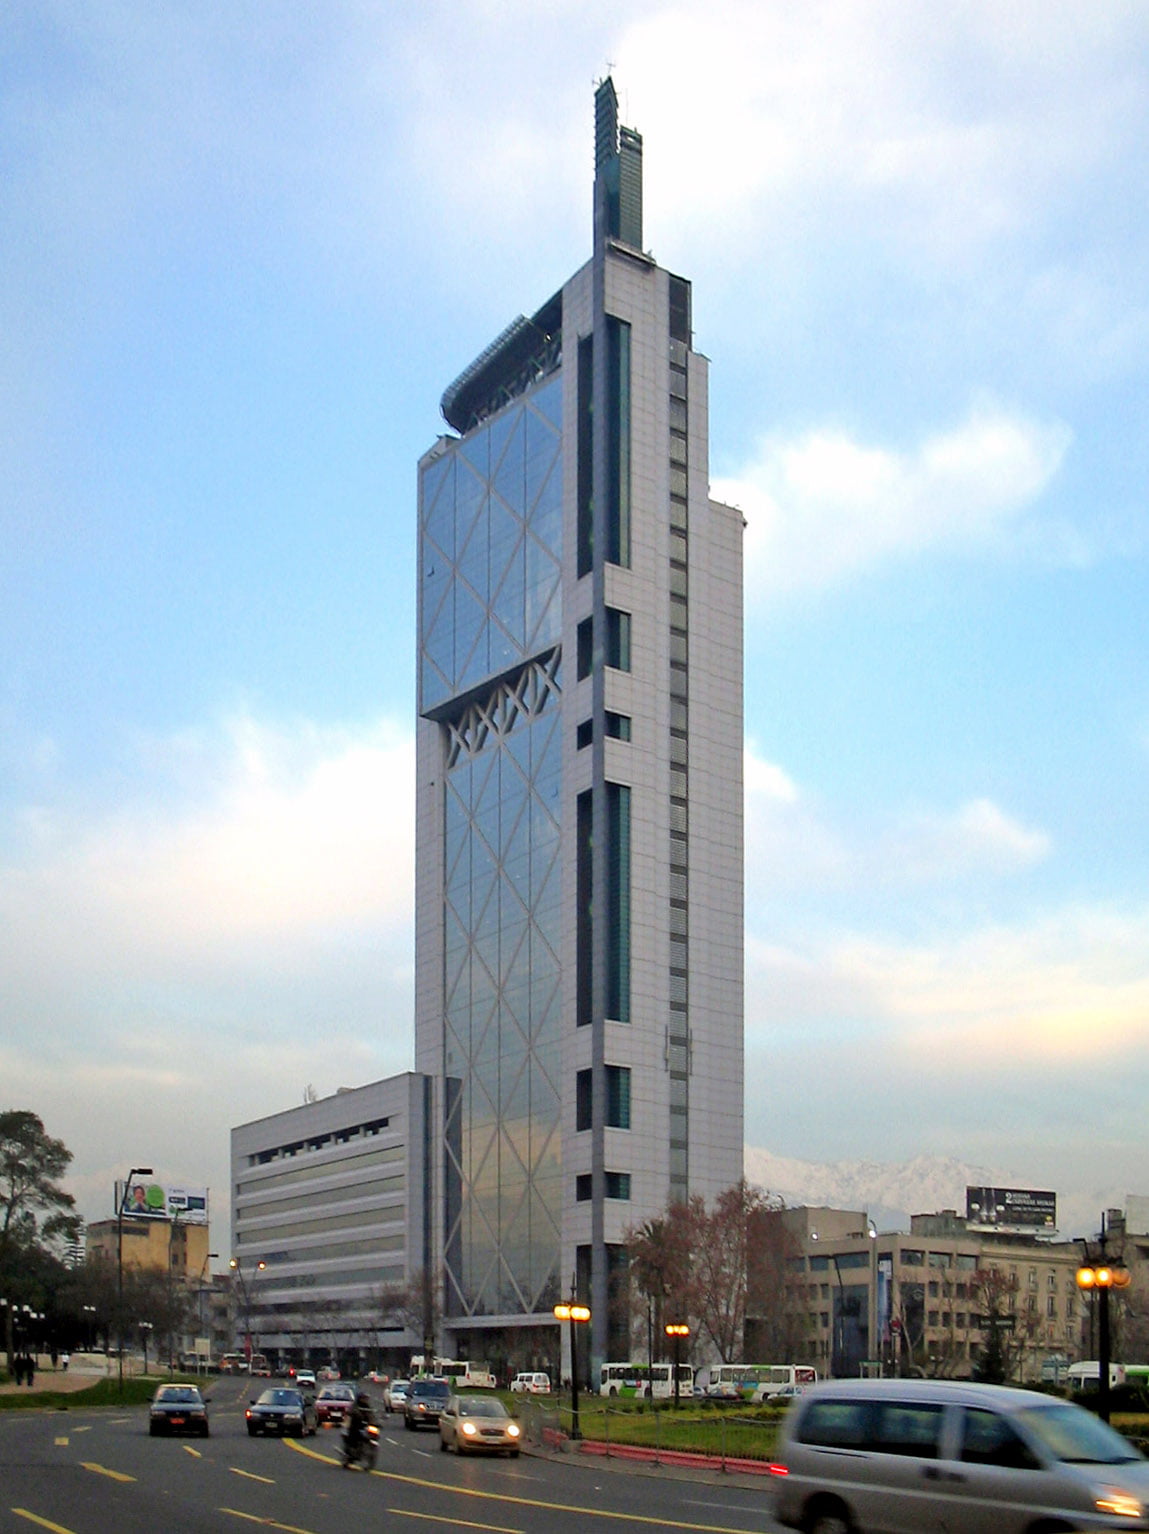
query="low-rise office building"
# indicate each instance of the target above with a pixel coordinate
(861, 1301)
(328, 1221)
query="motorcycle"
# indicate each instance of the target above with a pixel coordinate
(362, 1451)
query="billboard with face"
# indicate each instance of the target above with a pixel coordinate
(147, 1200)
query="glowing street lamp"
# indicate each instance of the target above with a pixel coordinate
(678, 1330)
(1099, 1277)
(576, 1314)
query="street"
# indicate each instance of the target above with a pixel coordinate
(95, 1472)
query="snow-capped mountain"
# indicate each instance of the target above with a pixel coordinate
(890, 1192)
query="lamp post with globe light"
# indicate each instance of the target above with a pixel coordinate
(577, 1315)
(1097, 1275)
(136, 1171)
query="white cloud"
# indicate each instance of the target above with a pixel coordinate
(939, 131)
(242, 929)
(823, 507)
(794, 843)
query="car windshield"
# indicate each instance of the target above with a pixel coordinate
(431, 1388)
(337, 1393)
(1076, 1436)
(481, 1406)
(279, 1398)
(186, 1395)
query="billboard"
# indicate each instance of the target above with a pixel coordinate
(1024, 1209)
(147, 1200)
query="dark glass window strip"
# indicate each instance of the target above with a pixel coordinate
(584, 920)
(618, 902)
(585, 518)
(618, 441)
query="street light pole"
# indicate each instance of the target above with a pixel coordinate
(245, 1296)
(1099, 1276)
(678, 1330)
(136, 1171)
(575, 1314)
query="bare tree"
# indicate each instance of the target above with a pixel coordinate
(995, 1292)
(414, 1306)
(700, 1262)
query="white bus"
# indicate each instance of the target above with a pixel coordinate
(645, 1381)
(1087, 1375)
(754, 1382)
(461, 1373)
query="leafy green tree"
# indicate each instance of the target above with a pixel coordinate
(36, 1215)
(34, 1210)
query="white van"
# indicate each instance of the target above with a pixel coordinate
(531, 1384)
(902, 1456)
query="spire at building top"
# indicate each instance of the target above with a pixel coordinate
(618, 171)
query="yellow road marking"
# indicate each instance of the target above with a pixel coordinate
(116, 1475)
(87, 1428)
(456, 1523)
(550, 1507)
(22, 1512)
(61, 1443)
(267, 1523)
(250, 1476)
(195, 1453)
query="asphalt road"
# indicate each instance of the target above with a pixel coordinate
(99, 1472)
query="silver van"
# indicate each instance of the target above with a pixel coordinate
(941, 1457)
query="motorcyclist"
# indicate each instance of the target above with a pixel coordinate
(358, 1419)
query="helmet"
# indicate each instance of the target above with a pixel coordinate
(363, 1399)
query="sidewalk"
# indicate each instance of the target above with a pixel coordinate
(54, 1379)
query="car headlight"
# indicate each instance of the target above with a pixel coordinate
(1123, 1503)
(513, 1430)
(469, 1428)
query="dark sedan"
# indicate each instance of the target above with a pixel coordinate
(281, 1411)
(333, 1403)
(178, 1409)
(425, 1402)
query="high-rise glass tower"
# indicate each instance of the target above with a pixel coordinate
(579, 834)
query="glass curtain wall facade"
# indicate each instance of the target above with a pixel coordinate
(491, 552)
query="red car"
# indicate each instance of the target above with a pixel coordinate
(333, 1403)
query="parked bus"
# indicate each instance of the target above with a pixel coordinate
(646, 1381)
(754, 1382)
(1087, 1375)
(461, 1373)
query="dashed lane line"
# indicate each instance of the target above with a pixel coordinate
(267, 1523)
(608, 1514)
(455, 1523)
(115, 1475)
(250, 1475)
(44, 1523)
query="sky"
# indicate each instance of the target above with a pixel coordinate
(243, 249)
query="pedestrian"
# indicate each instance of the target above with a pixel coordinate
(54, 1356)
(65, 1360)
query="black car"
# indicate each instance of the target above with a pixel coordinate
(425, 1402)
(178, 1409)
(280, 1410)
